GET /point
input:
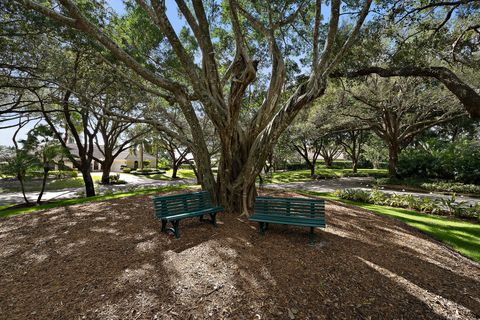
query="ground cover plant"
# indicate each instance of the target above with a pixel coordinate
(461, 235)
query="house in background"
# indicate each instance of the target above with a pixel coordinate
(126, 158)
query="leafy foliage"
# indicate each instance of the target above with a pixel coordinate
(449, 206)
(459, 161)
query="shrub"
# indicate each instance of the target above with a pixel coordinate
(60, 174)
(451, 187)
(115, 179)
(354, 195)
(447, 206)
(126, 170)
(296, 166)
(458, 161)
(325, 176)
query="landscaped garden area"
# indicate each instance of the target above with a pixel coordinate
(239, 159)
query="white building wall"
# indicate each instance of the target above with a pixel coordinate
(116, 165)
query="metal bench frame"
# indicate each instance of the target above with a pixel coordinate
(188, 205)
(289, 211)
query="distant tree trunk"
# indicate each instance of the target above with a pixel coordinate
(174, 170)
(106, 169)
(46, 169)
(328, 161)
(354, 164)
(141, 156)
(393, 150)
(312, 169)
(88, 181)
(22, 187)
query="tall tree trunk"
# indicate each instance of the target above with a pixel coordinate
(106, 168)
(328, 161)
(393, 151)
(88, 181)
(44, 183)
(141, 155)
(22, 187)
(232, 192)
(312, 169)
(174, 171)
(354, 165)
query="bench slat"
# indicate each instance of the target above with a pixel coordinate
(190, 214)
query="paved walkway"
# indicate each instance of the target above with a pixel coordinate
(363, 183)
(133, 182)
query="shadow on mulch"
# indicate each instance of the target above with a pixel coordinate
(109, 260)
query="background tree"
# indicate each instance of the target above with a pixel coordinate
(306, 139)
(398, 109)
(42, 144)
(352, 141)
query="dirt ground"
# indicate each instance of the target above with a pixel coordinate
(109, 260)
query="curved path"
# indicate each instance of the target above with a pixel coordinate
(363, 183)
(68, 193)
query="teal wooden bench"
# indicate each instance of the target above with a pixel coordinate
(178, 207)
(289, 211)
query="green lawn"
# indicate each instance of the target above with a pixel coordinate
(6, 212)
(181, 173)
(56, 184)
(304, 175)
(461, 235)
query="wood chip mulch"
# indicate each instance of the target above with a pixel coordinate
(109, 260)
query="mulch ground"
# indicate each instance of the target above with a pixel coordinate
(109, 260)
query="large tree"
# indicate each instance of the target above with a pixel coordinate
(399, 109)
(208, 68)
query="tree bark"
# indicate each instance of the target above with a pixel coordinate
(88, 181)
(328, 161)
(174, 170)
(141, 156)
(393, 151)
(44, 183)
(106, 168)
(22, 187)
(354, 164)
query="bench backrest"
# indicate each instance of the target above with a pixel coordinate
(181, 203)
(308, 208)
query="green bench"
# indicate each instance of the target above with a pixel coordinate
(177, 207)
(289, 211)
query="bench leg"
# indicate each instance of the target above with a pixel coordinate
(213, 217)
(201, 218)
(262, 228)
(164, 225)
(312, 235)
(176, 228)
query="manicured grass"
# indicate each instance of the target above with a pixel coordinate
(304, 175)
(461, 235)
(5, 212)
(57, 184)
(181, 173)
